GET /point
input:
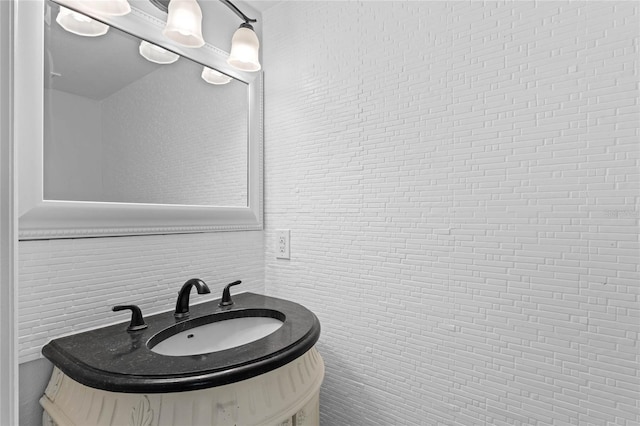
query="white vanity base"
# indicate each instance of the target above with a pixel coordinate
(286, 396)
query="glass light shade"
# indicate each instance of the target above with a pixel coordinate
(244, 49)
(157, 54)
(104, 7)
(214, 77)
(80, 24)
(184, 23)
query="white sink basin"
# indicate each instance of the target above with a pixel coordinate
(217, 336)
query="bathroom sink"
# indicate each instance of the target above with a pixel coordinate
(215, 333)
(117, 359)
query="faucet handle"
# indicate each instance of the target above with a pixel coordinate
(137, 321)
(226, 294)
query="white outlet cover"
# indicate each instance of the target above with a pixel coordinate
(283, 250)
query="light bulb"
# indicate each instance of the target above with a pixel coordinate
(156, 54)
(214, 77)
(80, 24)
(244, 49)
(184, 23)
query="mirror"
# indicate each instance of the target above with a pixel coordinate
(127, 146)
(120, 128)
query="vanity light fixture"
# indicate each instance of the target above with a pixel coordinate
(214, 77)
(184, 26)
(244, 44)
(157, 54)
(184, 23)
(80, 24)
(244, 49)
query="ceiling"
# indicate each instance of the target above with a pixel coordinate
(91, 67)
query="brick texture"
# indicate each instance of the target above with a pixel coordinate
(192, 152)
(67, 286)
(461, 184)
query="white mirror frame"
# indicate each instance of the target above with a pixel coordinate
(48, 219)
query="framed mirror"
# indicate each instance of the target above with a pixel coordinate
(111, 143)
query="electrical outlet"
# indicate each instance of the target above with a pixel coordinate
(282, 244)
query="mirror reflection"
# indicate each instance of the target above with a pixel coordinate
(121, 128)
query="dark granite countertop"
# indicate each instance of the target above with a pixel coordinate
(113, 359)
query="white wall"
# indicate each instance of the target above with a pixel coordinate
(168, 139)
(72, 147)
(70, 285)
(461, 184)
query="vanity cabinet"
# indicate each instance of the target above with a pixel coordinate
(286, 396)
(111, 376)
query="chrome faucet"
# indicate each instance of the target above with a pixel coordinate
(182, 305)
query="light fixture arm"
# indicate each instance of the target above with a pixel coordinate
(238, 11)
(163, 5)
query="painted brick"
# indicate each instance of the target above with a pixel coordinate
(461, 184)
(68, 286)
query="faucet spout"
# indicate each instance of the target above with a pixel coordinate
(182, 305)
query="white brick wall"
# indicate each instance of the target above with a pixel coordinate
(461, 184)
(68, 286)
(193, 152)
